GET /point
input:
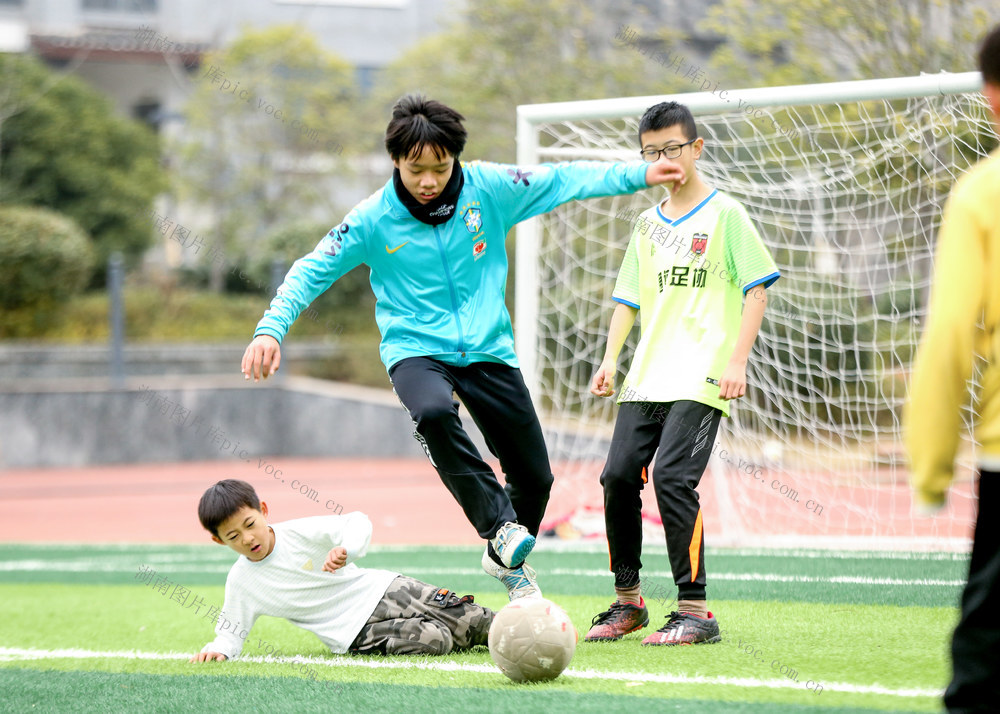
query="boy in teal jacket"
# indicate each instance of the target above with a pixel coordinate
(434, 239)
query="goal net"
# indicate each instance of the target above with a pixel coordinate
(846, 183)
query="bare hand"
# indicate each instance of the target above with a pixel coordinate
(208, 657)
(734, 381)
(665, 172)
(603, 383)
(261, 358)
(335, 560)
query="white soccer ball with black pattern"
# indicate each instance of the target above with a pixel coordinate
(532, 640)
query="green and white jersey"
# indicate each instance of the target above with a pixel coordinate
(688, 277)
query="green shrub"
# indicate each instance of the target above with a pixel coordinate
(68, 150)
(156, 315)
(45, 259)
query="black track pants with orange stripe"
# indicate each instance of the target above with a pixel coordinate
(684, 432)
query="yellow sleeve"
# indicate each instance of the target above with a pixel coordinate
(943, 365)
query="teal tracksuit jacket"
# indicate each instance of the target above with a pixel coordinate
(440, 289)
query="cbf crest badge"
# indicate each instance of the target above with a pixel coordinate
(473, 220)
(698, 243)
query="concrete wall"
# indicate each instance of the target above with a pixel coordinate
(80, 421)
(167, 419)
(20, 360)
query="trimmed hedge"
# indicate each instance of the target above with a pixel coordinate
(45, 259)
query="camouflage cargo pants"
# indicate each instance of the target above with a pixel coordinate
(416, 618)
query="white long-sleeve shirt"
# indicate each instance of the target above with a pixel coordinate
(291, 583)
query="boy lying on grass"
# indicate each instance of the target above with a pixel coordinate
(304, 571)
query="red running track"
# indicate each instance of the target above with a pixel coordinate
(407, 503)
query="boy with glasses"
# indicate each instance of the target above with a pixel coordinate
(697, 268)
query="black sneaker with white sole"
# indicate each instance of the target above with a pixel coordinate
(686, 629)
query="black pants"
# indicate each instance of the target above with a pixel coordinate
(975, 646)
(684, 432)
(498, 401)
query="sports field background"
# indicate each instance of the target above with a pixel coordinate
(106, 582)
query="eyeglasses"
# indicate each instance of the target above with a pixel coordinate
(671, 152)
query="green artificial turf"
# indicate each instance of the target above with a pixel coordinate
(79, 620)
(816, 577)
(28, 690)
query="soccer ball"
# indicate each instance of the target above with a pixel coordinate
(532, 640)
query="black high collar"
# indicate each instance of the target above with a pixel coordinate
(441, 208)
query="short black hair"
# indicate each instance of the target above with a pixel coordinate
(418, 122)
(667, 114)
(224, 499)
(989, 56)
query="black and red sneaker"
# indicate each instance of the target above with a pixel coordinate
(686, 629)
(617, 621)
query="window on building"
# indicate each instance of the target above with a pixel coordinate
(366, 77)
(150, 112)
(378, 4)
(136, 6)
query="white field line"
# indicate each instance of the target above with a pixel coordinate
(835, 554)
(601, 547)
(210, 555)
(551, 546)
(101, 566)
(768, 577)
(220, 555)
(78, 566)
(15, 653)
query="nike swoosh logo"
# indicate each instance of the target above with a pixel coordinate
(393, 250)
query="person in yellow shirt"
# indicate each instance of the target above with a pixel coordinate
(965, 294)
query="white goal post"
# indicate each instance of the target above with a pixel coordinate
(846, 182)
